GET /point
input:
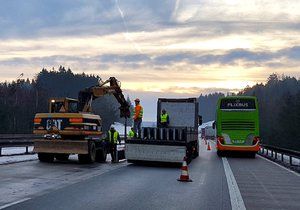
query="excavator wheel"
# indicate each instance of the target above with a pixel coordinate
(101, 155)
(46, 157)
(91, 156)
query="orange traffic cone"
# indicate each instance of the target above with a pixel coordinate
(208, 146)
(184, 177)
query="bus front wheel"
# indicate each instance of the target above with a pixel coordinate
(252, 154)
(220, 153)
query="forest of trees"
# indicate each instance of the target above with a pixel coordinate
(207, 106)
(279, 108)
(21, 99)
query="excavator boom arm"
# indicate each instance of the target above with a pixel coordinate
(86, 96)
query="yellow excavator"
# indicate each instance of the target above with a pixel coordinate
(70, 127)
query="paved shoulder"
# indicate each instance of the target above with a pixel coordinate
(264, 185)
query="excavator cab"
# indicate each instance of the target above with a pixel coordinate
(63, 105)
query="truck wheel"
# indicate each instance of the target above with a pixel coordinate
(90, 157)
(133, 161)
(62, 157)
(46, 157)
(101, 155)
(189, 159)
(196, 153)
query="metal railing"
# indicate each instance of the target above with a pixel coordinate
(285, 156)
(17, 140)
(24, 140)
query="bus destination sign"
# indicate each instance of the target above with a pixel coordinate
(238, 104)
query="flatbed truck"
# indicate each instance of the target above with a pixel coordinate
(171, 144)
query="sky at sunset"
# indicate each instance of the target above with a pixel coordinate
(155, 48)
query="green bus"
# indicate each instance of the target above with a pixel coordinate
(237, 125)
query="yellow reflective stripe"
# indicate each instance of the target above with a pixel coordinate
(141, 112)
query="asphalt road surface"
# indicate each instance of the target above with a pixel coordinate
(218, 183)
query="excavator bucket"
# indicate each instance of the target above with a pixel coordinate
(61, 146)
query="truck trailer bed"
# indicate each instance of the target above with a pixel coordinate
(155, 152)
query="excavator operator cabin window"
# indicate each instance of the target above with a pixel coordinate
(58, 107)
(73, 106)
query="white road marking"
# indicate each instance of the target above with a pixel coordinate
(236, 199)
(202, 179)
(279, 165)
(212, 142)
(14, 203)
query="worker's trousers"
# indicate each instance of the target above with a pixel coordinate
(113, 151)
(137, 127)
(164, 124)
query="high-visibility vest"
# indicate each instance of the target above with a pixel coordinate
(163, 118)
(140, 109)
(115, 137)
(131, 134)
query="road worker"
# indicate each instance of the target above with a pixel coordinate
(113, 139)
(131, 133)
(137, 118)
(164, 119)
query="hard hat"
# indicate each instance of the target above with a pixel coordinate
(137, 100)
(112, 127)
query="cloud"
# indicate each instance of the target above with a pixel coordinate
(291, 53)
(34, 18)
(227, 57)
(159, 62)
(195, 41)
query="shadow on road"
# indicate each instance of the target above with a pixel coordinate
(154, 164)
(236, 154)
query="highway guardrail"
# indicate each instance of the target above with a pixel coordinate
(22, 140)
(285, 156)
(17, 140)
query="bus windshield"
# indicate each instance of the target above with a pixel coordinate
(231, 104)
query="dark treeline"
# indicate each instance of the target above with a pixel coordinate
(279, 108)
(207, 106)
(21, 99)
